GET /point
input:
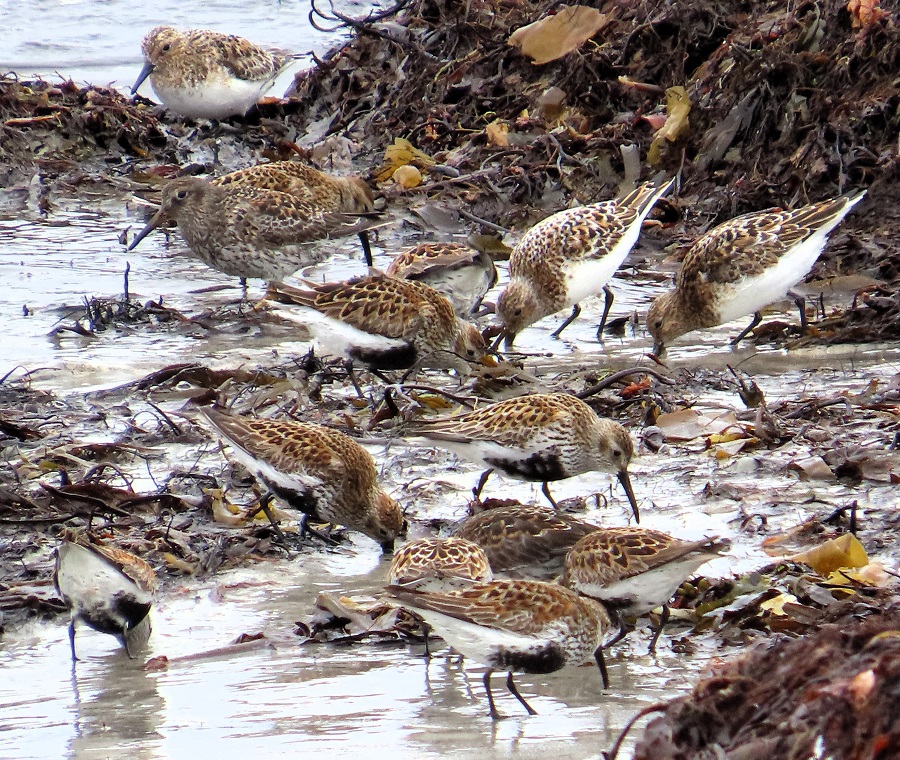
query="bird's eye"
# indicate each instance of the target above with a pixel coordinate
(658, 323)
(167, 47)
(616, 453)
(181, 195)
(518, 312)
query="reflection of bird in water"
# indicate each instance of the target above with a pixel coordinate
(109, 589)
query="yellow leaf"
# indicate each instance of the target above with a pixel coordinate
(776, 604)
(497, 133)
(724, 438)
(178, 563)
(678, 108)
(434, 402)
(555, 36)
(872, 574)
(844, 551)
(401, 153)
(407, 176)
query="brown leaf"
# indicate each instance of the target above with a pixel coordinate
(555, 36)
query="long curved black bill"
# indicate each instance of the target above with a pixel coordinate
(625, 480)
(151, 225)
(145, 72)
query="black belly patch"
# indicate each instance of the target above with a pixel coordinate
(399, 357)
(302, 500)
(548, 659)
(544, 465)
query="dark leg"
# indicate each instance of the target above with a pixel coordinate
(476, 492)
(305, 530)
(72, 640)
(348, 365)
(367, 249)
(607, 305)
(601, 663)
(576, 310)
(757, 318)
(545, 489)
(426, 630)
(624, 630)
(663, 619)
(801, 305)
(263, 506)
(125, 644)
(510, 684)
(492, 710)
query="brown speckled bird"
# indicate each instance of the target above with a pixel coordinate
(439, 564)
(633, 571)
(742, 266)
(538, 438)
(318, 190)
(201, 74)
(321, 472)
(382, 322)
(110, 589)
(246, 231)
(570, 256)
(524, 541)
(514, 625)
(461, 274)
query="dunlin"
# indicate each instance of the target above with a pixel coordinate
(524, 541)
(382, 322)
(202, 74)
(514, 625)
(246, 231)
(744, 265)
(633, 571)
(570, 256)
(109, 589)
(321, 472)
(438, 565)
(539, 438)
(461, 274)
(318, 190)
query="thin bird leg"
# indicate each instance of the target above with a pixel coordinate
(545, 489)
(367, 248)
(426, 630)
(492, 710)
(607, 305)
(801, 305)
(476, 492)
(576, 310)
(72, 640)
(510, 684)
(125, 644)
(624, 630)
(351, 375)
(305, 530)
(757, 318)
(663, 619)
(263, 506)
(601, 663)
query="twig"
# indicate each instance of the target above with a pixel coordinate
(438, 392)
(613, 753)
(616, 376)
(483, 222)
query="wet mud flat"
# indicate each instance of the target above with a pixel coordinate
(780, 447)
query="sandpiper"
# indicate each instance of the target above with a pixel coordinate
(438, 565)
(382, 322)
(321, 472)
(318, 190)
(201, 74)
(524, 541)
(461, 274)
(634, 570)
(538, 438)
(742, 266)
(109, 589)
(570, 256)
(518, 626)
(246, 231)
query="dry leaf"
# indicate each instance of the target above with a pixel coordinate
(555, 36)
(401, 153)
(865, 12)
(497, 133)
(678, 108)
(813, 468)
(844, 551)
(775, 605)
(407, 176)
(687, 424)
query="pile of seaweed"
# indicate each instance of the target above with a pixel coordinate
(822, 695)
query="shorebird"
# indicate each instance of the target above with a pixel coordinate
(321, 472)
(634, 570)
(742, 266)
(324, 192)
(201, 74)
(570, 256)
(382, 322)
(524, 541)
(514, 625)
(111, 590)
(459, 273)
(537, 438)
(245, 231)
